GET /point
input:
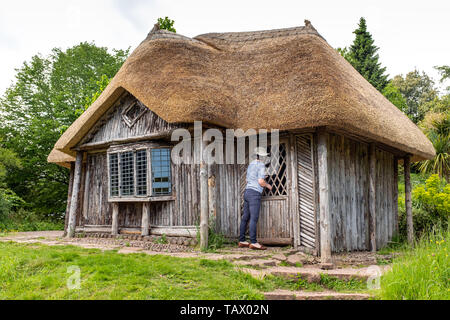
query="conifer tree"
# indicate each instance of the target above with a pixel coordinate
(362, 54)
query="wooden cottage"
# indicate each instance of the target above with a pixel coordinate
(340, 143)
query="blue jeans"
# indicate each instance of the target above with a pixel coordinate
(252, 206)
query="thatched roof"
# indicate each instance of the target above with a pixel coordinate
(282, 79)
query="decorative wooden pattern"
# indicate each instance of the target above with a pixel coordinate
(112, 125)
(277, 173)
(306, 191)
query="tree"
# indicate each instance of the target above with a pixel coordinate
(8, 199)
(420, 93)
(48, 95)
(395, 96)
(362, 54)
(437, 128)
(166, 24)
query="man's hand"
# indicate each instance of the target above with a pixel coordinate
(264, 184)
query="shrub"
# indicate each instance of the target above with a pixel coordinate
(431, 206)
(23, 220)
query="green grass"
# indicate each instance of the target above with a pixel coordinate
(422, 273)
(40, 272)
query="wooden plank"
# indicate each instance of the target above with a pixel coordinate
(74, 203)
(294, 192)
(372, 197)
(325, 220)
(204, 201)
(115, 220)
(145, 228)
(69, 197)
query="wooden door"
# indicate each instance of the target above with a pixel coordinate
(275, 220)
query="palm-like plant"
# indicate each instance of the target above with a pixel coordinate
(437, 129)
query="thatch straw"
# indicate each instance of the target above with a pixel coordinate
(284, 79)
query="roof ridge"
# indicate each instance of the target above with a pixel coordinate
(261, 34)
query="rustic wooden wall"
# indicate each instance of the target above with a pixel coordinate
(348, 164)
(112, 127)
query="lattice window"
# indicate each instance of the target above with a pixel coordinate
(141, 172)
(127, 173)
(133, 113)
(114, 175)
(277, 172)
(161, 176)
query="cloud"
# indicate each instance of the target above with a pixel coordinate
(137, 12)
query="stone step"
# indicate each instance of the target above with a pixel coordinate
(316, 295)
(311, 274)
(256, 263)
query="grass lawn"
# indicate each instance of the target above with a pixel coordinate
(41, 272)
(420, 273)
(33, 271)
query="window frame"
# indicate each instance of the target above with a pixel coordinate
(149, 197)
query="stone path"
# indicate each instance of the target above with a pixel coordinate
(281, 262)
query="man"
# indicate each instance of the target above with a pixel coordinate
(256, 183)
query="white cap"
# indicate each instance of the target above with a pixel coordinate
(261, 151)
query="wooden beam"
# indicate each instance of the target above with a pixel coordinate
(115, 220)
(325, 210)
(204, 211)
(145, 227)
(395, 199)
(294, 201)
(372, 197)
(74, 202)
(69, 198)
(212, 193)
(408, 200)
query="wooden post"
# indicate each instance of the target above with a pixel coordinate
(408, 200)
(74, 203)
(145, 227)
(395, 200)
(69, 198)
(372, 197)
(115, 219)
(204, 200)
(325, 213)
(212, 193)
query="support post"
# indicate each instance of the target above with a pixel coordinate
(325, 213)
(145, 227)
(204, 200)
(69, 198)
(396, 218)
(408, 200)
(372, 197)
(212, 193)
(74, 202)
(115, 219)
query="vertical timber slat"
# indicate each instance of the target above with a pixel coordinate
(372, 197)
(75, 195)
(145, 228)
(325, 231)
(115, 219)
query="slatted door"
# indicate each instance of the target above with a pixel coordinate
(306, 186)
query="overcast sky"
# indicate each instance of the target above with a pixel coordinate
(411, 34)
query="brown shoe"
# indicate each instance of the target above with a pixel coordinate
(244, 244)
(257, 246)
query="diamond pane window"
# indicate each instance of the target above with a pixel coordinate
(127, 173)
(114, 175)
(141, 172)
(277, 172)
(161, 176)
(133, 113)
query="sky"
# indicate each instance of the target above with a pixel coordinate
(411, 34)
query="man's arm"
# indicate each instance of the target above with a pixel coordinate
(264, 184)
